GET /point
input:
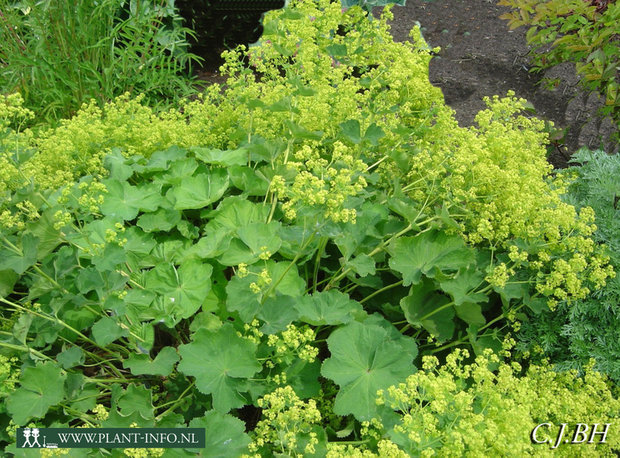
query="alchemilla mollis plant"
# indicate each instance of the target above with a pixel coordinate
(280, 261)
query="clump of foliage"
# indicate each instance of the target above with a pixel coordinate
(578, 31)
(293, 243)
(590, 327)
(61, 54)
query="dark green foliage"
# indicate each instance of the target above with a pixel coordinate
(368, 5)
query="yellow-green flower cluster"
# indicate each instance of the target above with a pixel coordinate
(499, 275)
(263, 281)
(265, 254)
(497, 182)
(399, 79)
(322, 183)
(252, 332)
(242, 270)
(26, 211)
(286, 418)
(49, 452)
(494, 178)
(10, 178)
(463, 409)
(371, 431)
(303, 40)
(12, 111)
(61, 219)
(279, 379)
(77, 147)
(517, 256)
(9, 220)
(142, 452)
(386, 449)
(112, 236)
(101, 413)
(94, 249)
(9, 373)
(92, 195)
(293, 340)
(567, 278)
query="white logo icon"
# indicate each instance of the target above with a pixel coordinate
(35, 436)
(31, 438)
(27, 437)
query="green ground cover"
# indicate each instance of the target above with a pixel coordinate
(312, 260)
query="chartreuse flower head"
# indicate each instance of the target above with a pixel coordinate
(12, 111)
(289, 425)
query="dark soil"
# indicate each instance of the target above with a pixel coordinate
(481, 57)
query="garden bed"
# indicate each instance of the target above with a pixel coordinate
(319, 261)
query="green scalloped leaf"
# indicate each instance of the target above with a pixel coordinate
(278, 312)
(162, 365)
(136, 400)
(426, 306)
(234, 212)
(22, 258)
(327, 308)
(181, 290)
(40, 388)
(362, 265)
(106, 330)
(252, 239)
(163, 219)
(161, 160)
(8, 278)
(71, 357)
(200, 190)
(241, 299)
(224, 158)
(366, 358)
(220, 361)
(125, 201)
(225, 435)
(462, 285)
(428, 254)
(470, 313)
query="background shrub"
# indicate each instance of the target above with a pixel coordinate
(61, 54)
(580, 31)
